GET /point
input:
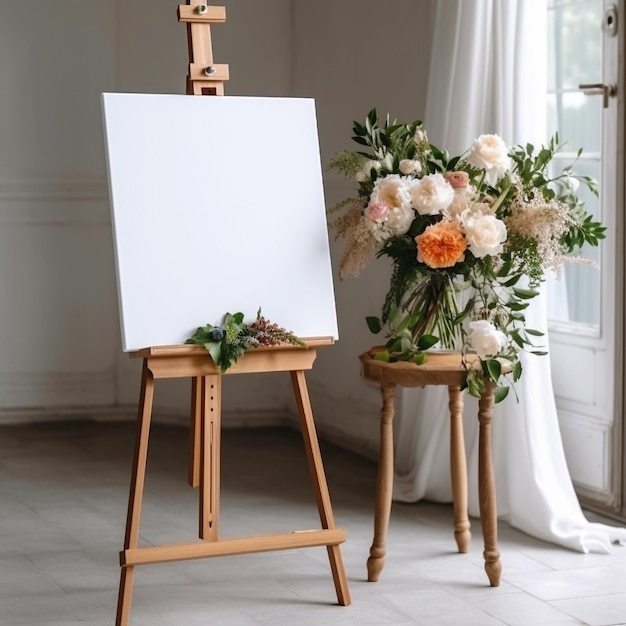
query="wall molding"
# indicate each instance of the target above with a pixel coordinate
(54, 189)
(54, 202)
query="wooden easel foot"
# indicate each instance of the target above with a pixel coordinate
(125, 596)
(339, 576)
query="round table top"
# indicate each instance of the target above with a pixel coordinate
(440, 368)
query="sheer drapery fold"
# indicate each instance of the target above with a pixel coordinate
(488, 75)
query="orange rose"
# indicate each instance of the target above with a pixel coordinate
(457, 180)
(441, 245)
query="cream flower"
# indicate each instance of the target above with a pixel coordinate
(399, 220)
(486, 339)
(489, 153)
(392, 191)
(420, 135)
(461, 203)
(431, 194)
(408, 166)
(485, 235)
(365, 173)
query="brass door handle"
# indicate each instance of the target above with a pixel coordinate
(600, 89)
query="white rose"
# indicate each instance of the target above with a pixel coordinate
(486, 339)
(485, 235)
(365, 173)
(407, 166)
(460, 203)
(431, 194)
(419, 136)
(392, 191)
(489, 153)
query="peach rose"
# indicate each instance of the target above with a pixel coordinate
(457, 180)
(441, 245)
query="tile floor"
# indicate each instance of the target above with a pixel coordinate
(63, 495)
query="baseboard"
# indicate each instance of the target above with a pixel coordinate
(67, 414)
(230, 419)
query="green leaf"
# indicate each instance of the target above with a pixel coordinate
(360, 141)
(539, 352)
(374, 324)
(494, 368)
(393, 345)
(214, 348)
(525, 294)
(237, 318)
(536, 333)
(505, 270)
(500, 393)
(427, 341)
(517, 371)
(515, 336)
(512, 281)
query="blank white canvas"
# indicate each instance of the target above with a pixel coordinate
(217, 206)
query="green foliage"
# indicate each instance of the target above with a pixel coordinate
(227, 342)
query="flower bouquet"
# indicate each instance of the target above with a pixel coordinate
(470, 238)
(233, 337)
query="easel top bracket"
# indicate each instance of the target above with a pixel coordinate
(201, 14)
(204, 77)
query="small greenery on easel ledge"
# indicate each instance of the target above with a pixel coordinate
(227, 342)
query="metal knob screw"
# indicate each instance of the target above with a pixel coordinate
(209, 71)
(201, 9)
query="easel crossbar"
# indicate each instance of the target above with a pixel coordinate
(231, 547)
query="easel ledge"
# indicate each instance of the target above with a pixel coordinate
(194, 361)
(191, 349)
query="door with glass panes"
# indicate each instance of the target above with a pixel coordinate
(585, 306)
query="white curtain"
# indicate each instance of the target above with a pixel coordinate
(488, 75)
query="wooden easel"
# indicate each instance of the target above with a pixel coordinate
(194, 362)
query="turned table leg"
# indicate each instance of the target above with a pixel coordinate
(487, 488)
(458, 470)
(384, 485)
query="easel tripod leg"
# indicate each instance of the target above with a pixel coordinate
(136, 494)
(195, 431)
(384, 485)
(320, 485)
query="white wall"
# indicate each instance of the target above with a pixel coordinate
(352, 56)
(59, 336)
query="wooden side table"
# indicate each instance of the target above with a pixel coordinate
(440, 369)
